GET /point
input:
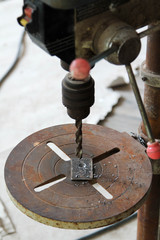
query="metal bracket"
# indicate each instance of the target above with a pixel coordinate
(81, 169)
(148, 77)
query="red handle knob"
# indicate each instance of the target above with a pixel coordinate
(153, 150)
(80, 69)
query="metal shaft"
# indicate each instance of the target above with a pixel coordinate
(149, 31)
(140, 103)
(78, 134)
(102, 55)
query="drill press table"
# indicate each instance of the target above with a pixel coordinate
(125, 174)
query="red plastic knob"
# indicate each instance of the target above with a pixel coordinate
(80, 68)
(28, 12)
(153, 150)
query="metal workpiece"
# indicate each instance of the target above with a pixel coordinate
(39, 181)
(81, 169)
(78, 96)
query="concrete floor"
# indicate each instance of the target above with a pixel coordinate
(28, 103)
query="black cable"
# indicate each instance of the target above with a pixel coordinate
(16, 60)
(108, 228)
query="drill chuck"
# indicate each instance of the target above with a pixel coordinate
(77, 96)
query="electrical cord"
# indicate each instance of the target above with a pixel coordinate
(108, 228)
(19, 54)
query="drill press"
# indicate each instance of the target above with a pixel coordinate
(111, 177)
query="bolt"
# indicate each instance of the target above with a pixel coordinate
(144, 79)
(95, 175)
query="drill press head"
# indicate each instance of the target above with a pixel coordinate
(54, 25)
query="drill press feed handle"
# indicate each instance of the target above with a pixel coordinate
(153, 150)
(80, 69)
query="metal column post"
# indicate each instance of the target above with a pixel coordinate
(148, 215)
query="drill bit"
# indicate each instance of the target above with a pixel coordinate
(78, 134)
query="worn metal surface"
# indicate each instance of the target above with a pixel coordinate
(149, 77)
(148, 216)
(152, 94)
(153, 52)
(121, 167)
(140, 103)
(155, 166)
(146, 12)
(152, 106)
(113, 32)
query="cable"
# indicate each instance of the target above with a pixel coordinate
(108, 228)
(16, 60)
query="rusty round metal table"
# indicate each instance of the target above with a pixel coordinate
(125, 174)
